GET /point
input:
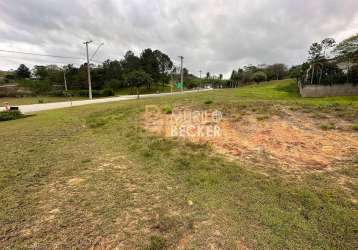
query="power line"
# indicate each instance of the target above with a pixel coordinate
(35, 54)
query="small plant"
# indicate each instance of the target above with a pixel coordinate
(167, 110)
(355, 127)
(262, 117)
(86, 161)
(10, 115)
(41, 101)
(156, 243)
(208, 102)
(328, 126)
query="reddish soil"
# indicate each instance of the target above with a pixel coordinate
(293, 141)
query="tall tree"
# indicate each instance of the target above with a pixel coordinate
(315, 57)
(347, 50)
(23, 71)
(327, 43)
(165, 66)
(137, 79)
(150, 64)
(131, 62)
(40, 72)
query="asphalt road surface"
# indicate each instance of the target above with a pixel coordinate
(32, 108)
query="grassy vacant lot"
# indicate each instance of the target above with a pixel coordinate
(91, 176)
(35, 100)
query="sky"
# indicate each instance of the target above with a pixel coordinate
(214, 36)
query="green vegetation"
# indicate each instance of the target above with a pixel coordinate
(10, 115)
(167, 110)
(91, 176)
(33, 100)
(208, 102)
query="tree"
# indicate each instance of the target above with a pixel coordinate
(150, 64)
(348, 48)
(259, 76)
(220, 76)
(137, 79)
(131, 62)
(315, 52)
(185, 72)
(23, 71)
(295, 72)
(327, 43)
(40, 72)
(315, 57)
(207, 75)
(165, 66)
(279, 70)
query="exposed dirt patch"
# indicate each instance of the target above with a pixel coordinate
(75, 181)
(292, 140)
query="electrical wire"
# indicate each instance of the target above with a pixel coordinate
(35, 54)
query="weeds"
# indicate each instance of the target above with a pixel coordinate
(167, 110)
(156, 243)
(10, 115)
(208, 102)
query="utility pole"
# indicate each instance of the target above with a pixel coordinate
(88, 72)
(200, 83)
(181, 73)
(64, 78)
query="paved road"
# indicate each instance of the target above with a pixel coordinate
(32, 108)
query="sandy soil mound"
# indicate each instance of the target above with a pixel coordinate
(293, 140)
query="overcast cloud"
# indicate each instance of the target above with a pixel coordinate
(212, 35)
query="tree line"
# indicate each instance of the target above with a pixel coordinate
(150, 67)
(258, 73)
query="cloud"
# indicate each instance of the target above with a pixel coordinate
(212, 35)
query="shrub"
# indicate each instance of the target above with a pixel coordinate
(10, 115)
(156, 243)
(208, 102)
(167, 110)
(355, 127)
(328, 126)
(107, 92)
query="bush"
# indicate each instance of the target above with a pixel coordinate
(37, 87)
(208, 102)
(156, 243)
(10, 115)
(107, 92)
(167, 110)
(259, 76)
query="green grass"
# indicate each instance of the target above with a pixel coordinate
(143, 90)
(90, 176)
(35, 100)
(49, 99)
